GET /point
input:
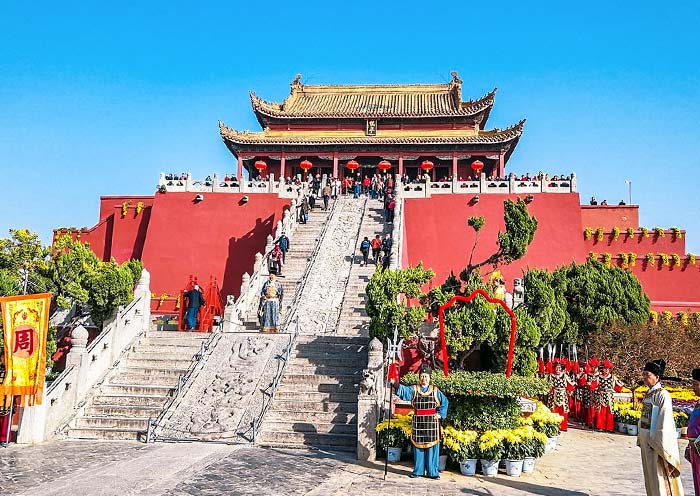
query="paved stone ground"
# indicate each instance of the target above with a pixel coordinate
(585, 463)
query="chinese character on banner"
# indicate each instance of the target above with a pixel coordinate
(25, 321)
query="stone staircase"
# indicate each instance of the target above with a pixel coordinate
(316, 402)
(303, 243)
(353, 317)
(138, 388)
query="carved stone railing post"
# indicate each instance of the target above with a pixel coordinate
(511, 183)
(215, 186)
(574, 186)
(268, 243)
(188, 181)
(271, 183)
(77, 357)
(482, 182)
(371, 395)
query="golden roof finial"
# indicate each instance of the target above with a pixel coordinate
(455, 78)
(296, 82)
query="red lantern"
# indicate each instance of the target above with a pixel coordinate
(477, 166)
(260, 165)
(426, 165)
(384, 165)
(353, 165)
(305, 165)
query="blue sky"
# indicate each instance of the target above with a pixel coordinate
(97, 100)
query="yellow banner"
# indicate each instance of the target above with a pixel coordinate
(25, 322)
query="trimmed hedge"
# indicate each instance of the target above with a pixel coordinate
(483, 384)
(483, 414)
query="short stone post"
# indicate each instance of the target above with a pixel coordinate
(161, 179)
(482, 182)
(428, 187)
(271, 183)
(268, 243)
(279, 228)
(511, 183)
(77, 357)
(215, 187)
(372, 391)
(572, 183)
(245, 284)
(188, 181)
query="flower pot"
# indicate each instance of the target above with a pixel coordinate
(631, 429)
(622, 427)
(678, 432)
(528, 465)
(442, 463)
(393, 454)
(489, 467)
(551, 444)
(514, 467)
(468, 466)
(684, 432)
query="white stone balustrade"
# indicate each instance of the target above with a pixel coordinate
(86, 366)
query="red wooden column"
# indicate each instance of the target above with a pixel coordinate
(501, 165)
(400, 164)
(283, 161)
(239, 174)
(454, 166)
(335, 164)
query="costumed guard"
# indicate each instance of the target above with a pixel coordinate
(558, 398)
(270, 303)
(608, 384)
(657, 439)
(692, 451)
(588, 384)
(430, 406)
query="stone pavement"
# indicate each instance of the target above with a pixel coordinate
(585, 463)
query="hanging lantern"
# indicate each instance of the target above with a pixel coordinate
(352, 165)
(260, 165)
(384, 165)
(305, 165)
(477, 166)
(426, 165)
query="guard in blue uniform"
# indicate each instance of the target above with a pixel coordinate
(430, 406)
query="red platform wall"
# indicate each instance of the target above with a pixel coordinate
(636, 244)
(216, 237)
(437, 234)
(609, 216)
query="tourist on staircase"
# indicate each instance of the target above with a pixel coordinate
(284, 245)
(194, 299)
(364, 249)
(276, 259)
(386, 248)
(376, 247)
(326, 193)
(270, 303)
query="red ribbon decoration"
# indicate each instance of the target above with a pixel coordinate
(466, 299)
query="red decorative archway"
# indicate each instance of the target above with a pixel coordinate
(466, 299)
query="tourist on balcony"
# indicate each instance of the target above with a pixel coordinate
(604, 202)
(657, 438)
(622, 202)
(364, 249)
(270, 303)
(593, 201)
(194, 299)
(365, 186)
(337, 188)
(357, 188)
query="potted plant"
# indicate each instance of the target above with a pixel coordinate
(491, 451)
(681, 419)
(463, 448)
(514, 451)
(392, 438)
(632, 419)
(534, 449)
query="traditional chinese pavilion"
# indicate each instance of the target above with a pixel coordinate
(335, 129)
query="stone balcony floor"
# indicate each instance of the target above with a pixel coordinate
(585, 463)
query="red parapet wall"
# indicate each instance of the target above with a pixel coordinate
(609, 216)
(437, 234)
(636, 243)
(216, 237)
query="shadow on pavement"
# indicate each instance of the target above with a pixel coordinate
(529, 488)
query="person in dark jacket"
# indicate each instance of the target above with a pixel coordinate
(386, 248)
(194, 299)
(284, 245)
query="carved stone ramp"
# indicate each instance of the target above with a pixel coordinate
(138, 388)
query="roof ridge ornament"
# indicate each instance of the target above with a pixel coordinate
(296, 84)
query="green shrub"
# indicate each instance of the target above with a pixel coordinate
(483, 384)
(483, 414)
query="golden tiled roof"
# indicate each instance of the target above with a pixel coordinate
(373, 101)
(496, 136)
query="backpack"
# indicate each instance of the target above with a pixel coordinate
(364, 245)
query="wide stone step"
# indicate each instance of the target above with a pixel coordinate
(118, 410)
(136, 389)
(166, 350)
(319, 387)
(311, 416)
(145, 380)
(112, 422)
(107, 434)
(319, 396)
(183, 356)
(355, 362)
(340, 442)
(181, 335)
(308, 427)
(302, 405)
(130, 400)
(153, 371)
(334, 340)
(328, 376)
(158, 363)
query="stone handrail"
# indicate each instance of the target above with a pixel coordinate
(86, 367)
(216, 185)
(485, 185)
(370, 402)
(397, 231)
(236, 310)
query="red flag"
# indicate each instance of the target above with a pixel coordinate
(393, 374)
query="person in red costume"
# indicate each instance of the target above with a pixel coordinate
(608, 384)
(558, 399)
(588, 383)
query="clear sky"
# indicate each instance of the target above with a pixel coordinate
(97, 100)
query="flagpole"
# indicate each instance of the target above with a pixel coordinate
(9, 424)
(386, 439)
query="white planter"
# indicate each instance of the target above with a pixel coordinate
(393, 455)
(622, 427)
(528, 465)
(551, 444)
(514, 467)
(468, 467)
(631, 429)
(678, 432)
(489, 467)
(442, 463)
